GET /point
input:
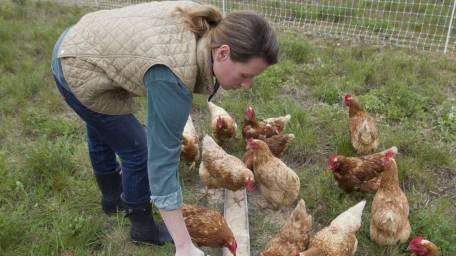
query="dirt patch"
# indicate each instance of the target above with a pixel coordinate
(446, 183)
(295, 158)
(303, 96)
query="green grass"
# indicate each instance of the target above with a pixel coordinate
(49, 202)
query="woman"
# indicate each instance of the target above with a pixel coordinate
(165, 51)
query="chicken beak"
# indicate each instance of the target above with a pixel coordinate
(250, 143)
(249, 185)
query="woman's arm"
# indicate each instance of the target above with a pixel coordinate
(176, 226)
(168, 105)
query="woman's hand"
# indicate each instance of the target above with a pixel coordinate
(190, 250)
(176, 226)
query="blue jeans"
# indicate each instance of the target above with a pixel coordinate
(108, 135)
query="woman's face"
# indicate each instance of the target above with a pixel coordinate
(234, 75)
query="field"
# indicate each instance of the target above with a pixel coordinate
(49, 202)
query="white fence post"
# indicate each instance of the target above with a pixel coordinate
(223, 8)
(450, 27)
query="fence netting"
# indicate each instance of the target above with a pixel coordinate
(419, 24)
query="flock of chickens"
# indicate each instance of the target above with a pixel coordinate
(261, 167)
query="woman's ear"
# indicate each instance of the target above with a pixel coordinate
(222, 53)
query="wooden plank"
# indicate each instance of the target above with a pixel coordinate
(215, 200)
(237, 216)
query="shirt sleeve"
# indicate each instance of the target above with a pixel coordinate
(169, 103)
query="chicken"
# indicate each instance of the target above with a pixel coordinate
(277, 144)
(359, 173)
(363, 130)
(207, 227)
(423, 247)
(390, 209)
(294, 236)
(278, 183)
(223, 125)
(338, 239)
(219, 169)
(278, 123)
(264, 129)
(190, 147)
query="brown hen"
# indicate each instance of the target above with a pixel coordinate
(294, 236)
(278, 183)
(363, 130)
(207, 227)
(223, 125)
(277, 144)
(390, 209)
(252, 128)
(359, 173)
(219, 169)
(422, 247)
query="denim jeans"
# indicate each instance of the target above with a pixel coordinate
(108, 136)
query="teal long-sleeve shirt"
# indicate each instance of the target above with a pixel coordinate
(169, 103)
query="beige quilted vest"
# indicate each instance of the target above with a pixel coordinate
(106, 54)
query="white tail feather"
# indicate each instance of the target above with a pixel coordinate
(393, 148)
(209, 142)
(189, 129)
(350, 220)
(216, 110)
(284, 119)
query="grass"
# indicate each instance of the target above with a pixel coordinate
(49, 203)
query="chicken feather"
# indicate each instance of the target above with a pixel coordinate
(339, 238)
(219, 169)
(390, 209)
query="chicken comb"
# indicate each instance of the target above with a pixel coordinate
(386, 158)
(417, 240)
(332, 158)
(249, 112)
(347, 97)
(250, 141)
(416, 246)
(388, 155)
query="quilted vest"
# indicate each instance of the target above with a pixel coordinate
(106, 53)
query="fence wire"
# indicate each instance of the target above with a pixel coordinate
(421, 24)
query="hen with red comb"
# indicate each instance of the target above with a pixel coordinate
(363, 130)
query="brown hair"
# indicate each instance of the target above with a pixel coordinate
(246, 33)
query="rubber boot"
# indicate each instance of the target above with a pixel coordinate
(143, 227)
(110, 185)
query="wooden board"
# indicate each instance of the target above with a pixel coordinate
(237, 216)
